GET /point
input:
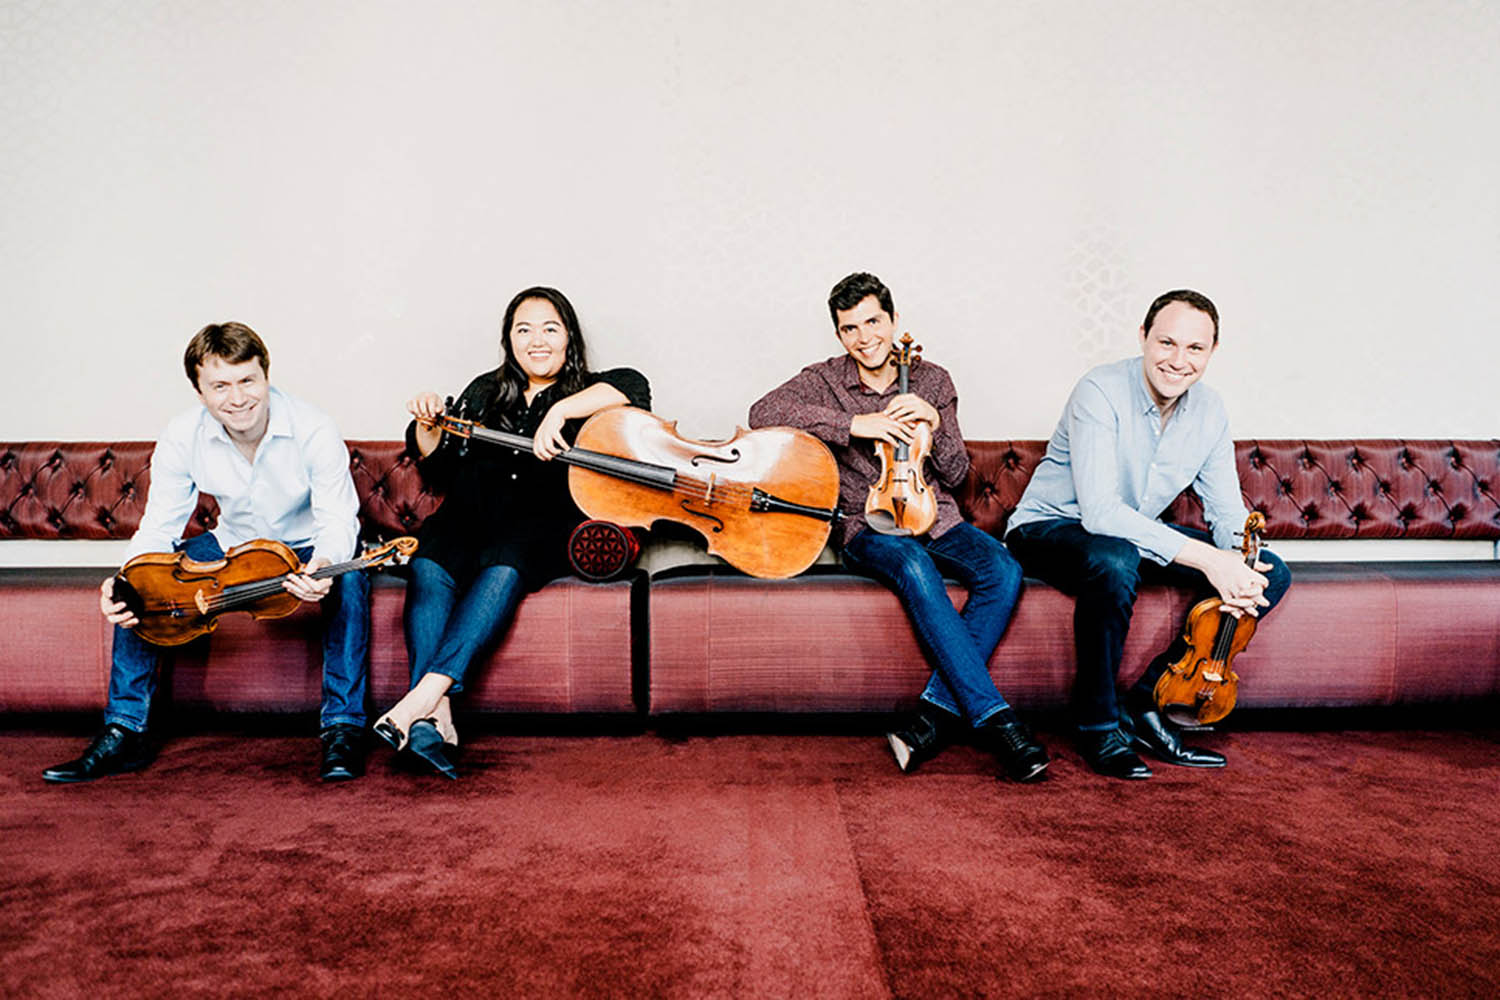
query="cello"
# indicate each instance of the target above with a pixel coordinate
(1200, 688)
(900, 502)
(177, 599)
(764, 500)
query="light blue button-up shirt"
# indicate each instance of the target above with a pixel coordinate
(1112, 466)
(298, 490)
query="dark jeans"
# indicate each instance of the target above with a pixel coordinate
(958, 644)
(346, 648)
(1103, 572)
(447, 626)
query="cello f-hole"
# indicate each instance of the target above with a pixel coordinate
(718, 525)
(734, 454)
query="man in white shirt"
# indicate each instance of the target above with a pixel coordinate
(279, 470)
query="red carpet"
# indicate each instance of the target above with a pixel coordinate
(1328, 864)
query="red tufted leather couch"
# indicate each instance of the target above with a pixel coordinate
(572, 648)
(712, 640)
(1346, 634)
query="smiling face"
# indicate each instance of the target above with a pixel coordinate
(866, 331)
(1175, 352)
(538, 341)
(235, 394)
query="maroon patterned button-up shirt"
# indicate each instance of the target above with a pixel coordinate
(823, 398)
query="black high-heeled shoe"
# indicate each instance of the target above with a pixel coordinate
(388, 733)
(427, 743)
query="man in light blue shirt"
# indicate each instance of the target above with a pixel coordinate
(1135, 434)
(279, 470)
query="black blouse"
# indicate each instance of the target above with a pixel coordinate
(502, 507)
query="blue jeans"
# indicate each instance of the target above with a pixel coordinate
(346, 648)
(1103, 572)
(958, 644)
(447, 627)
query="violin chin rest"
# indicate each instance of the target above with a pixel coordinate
(1185, 721)
(884, 523)
(127, 595)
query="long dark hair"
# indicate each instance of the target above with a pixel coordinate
(513, 380)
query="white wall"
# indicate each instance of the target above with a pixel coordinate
(367, 184)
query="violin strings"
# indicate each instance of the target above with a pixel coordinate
(265, 588)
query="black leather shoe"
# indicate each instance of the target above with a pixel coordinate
(424, 740)
(927, 733)
(1021, 757)
(1109, 754)
(1153, 734)
(343, 752)
(114, 751)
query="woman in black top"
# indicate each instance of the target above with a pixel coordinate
(503, 528)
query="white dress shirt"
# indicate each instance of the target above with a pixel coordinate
(297, 490)
(1112, 466)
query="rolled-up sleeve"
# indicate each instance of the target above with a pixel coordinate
(950, 457)
(1092, 435)
(629, 383)
(805, 402)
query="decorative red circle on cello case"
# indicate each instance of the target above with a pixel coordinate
(600, 550)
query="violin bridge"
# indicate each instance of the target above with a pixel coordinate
(1217, 678)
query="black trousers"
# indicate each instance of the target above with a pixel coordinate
(1103, 573)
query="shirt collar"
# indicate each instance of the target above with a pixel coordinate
(847, 371)
(1144, 404)
(279, 424)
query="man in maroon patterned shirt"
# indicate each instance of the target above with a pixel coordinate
(851, 402)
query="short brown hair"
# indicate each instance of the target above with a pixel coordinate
(1187, 297)
(236, 343)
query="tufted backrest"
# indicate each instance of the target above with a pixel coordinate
(1307, 489)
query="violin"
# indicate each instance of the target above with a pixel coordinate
(764, 500)
(900, 502)
(177, 599)
(1200, 688)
